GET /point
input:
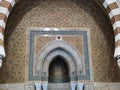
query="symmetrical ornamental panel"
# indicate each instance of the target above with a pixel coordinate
(40, 56)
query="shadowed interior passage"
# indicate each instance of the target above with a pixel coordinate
(58, 70)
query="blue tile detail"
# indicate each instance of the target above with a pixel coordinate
(33, 33)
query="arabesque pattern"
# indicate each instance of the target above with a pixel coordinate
(36, 15)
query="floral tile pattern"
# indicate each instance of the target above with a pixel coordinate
(59, 14)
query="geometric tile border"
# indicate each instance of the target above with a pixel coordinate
(33, 33)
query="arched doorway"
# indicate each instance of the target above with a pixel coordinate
(60, 52)
(59, 77)
(60, 67)
(58, 71)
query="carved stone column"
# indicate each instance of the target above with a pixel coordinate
(0, 63)
(73, 85)
(2, 54)
(45, 86)
(118, 60)
(80, 86)
(38, 86)
(1, 57)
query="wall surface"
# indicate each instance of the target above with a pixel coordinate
(31, 86)
(59, 14)
(43, 44)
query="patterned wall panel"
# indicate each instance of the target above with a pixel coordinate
(39, 38)
(55, 13)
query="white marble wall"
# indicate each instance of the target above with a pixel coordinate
(12, 86)
(96, 86)
(107, 86)
(59, 86)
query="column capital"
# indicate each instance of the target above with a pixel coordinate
(73, 85)
(80, 86)
(45, 86)
(38, 86)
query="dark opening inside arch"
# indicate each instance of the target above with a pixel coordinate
(58, 70)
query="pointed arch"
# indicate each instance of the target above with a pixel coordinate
(59, 48)
(111, 6)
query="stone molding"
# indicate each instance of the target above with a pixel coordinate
(89, 86)
(53, 49)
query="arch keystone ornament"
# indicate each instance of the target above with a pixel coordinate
(111, 6)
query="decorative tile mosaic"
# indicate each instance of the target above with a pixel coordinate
(35, 33)
(65, 14)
